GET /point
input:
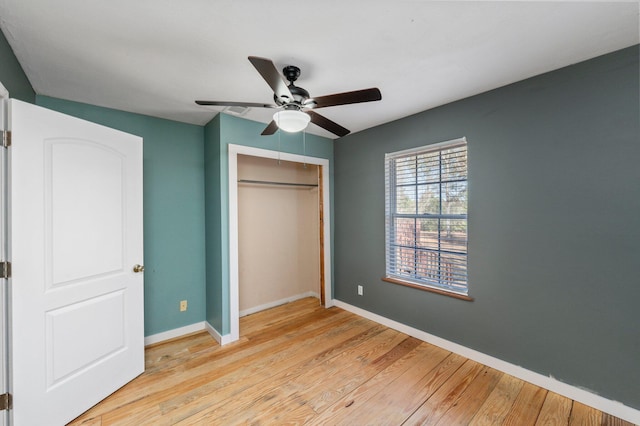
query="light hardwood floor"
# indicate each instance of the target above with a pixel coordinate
(302, 364)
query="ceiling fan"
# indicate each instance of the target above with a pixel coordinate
(295, 106)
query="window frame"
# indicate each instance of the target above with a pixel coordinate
(391, 214)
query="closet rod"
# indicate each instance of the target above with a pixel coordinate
(266, 182)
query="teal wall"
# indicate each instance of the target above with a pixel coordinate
(222, 131)
(12, 76)
(174, 224)
(214, 292)
(554, 224)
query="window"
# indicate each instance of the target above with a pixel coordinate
(426, 217)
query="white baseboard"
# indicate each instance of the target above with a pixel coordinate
(221, 339)
(275, 303)
(614, 408)
(171, 334)
(192, 328)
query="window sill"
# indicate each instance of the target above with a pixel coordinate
(429, 289)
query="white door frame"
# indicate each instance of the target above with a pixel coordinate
(234, 150)
(4, 283)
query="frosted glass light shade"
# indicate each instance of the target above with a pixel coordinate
(291, 120)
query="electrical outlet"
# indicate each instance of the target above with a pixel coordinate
(183, 305)
(360, 290)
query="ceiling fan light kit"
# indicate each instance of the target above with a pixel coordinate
(295, 104)
(291, 121)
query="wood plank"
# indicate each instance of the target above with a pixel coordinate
(583, 415)
(317, 393)
(526, 407)
(344, 406)
(439, 403)
(497, 405)
(555, 410)
(609, 420)
(364, 391)
(391, 401)
(467, 405)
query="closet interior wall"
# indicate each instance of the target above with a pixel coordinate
(278, 232)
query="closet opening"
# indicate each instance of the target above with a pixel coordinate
(278, 232)
(278, 204)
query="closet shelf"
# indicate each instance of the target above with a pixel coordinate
(266, 182)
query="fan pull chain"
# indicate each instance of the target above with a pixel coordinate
(304, 148)
(279, 133)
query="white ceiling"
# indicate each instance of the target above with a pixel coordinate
(156, 57)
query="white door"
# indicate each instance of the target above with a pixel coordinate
(75, 234)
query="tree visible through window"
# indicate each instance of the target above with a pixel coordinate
(426, 216)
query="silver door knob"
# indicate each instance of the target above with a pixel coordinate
(138, 268)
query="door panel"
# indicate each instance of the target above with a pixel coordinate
(67, 355)
(75, 234)
(89, 176)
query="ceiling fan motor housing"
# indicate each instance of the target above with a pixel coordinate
(291, 73)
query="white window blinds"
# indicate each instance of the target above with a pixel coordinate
(426, 216)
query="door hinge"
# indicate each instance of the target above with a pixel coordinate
(6, 402)
(5, 269)
(6, 138)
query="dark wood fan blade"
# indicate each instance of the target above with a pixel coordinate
(325, 123)
(239, 104)
(270, 129)
(355, 97)
(271, 75)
